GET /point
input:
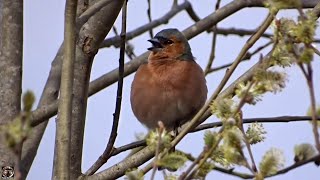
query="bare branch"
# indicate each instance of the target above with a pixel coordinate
(49, 95)
(245, 58)
(309, 79)
(149, 18)
(213, 45)
(89, 41)
(115, 41)
(192, 14)
(61, 168)
(120, 168)
(128, 147)
(47, 107)
(129, 48)
(90, 37)
(279, 119)
(216, 144)
(315, 50)
(298, 164)
(116, 115)
(223, 170)
(239, 32)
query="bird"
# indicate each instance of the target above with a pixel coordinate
(171, 86)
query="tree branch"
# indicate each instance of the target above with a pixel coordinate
(213, 45)
(297, 164)
(90, 37)
(279, 119)
(223, 170)
(309, 78)
(61, 168)
(92, 10)
(282, 119)
(47, 107)
(49, 95)
(149, 17)
(245, 58)
(120, 168)
(116, 115)
(11, 51)
(115, 41)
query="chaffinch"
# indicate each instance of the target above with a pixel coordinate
(171, 87)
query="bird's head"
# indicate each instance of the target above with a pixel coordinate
(170, 44)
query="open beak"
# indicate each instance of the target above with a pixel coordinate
(156, 45)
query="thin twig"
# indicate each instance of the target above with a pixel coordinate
(116, 115)
(304, 71)
(213, 147)
(282, 119)
(149, 18)
(129, 146)
(175, 3)
(245, 58)
(202, 159)
(213, 45)
(192, 14)
(220, 169)
(129, 48)
(195, 161)
(233, 173)
(240, 32)
(315, 158)
(237, 111)
(245, 32)
(254, 167)
(279, 119)
(313, 106)
(212, 54)
(315, 49)
(296, 165)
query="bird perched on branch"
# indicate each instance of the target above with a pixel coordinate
(171, 87)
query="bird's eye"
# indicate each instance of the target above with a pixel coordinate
(168, 41)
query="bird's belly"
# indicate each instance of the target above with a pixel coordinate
(167, 105)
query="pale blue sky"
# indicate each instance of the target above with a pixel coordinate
(43, 24)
